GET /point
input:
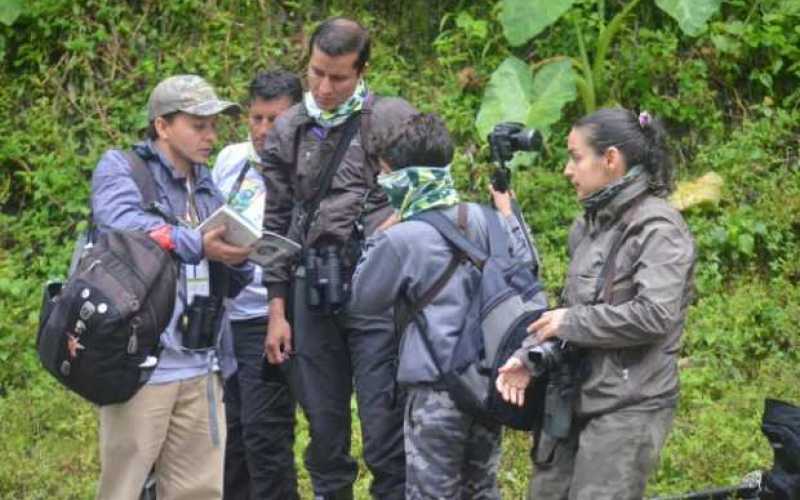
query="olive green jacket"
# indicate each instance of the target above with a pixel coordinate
(632, 337)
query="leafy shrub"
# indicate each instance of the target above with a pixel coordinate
(74, 77)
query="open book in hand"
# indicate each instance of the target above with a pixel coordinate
(267, 246)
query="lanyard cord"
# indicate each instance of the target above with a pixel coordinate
(239, 180)
(191, 204)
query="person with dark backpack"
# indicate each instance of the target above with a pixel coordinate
(175, 422)
(99, 331)
(437, 282)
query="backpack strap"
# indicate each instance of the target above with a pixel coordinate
(143, 178)
(409, 311)
(607, 275)
(146, 184)
(455, 260)
(450, 232)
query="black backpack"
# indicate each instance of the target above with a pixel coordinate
(781, 425)
(509, 298)
(99, 332)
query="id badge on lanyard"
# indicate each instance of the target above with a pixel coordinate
(197, 280)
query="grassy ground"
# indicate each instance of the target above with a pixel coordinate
(49, 440)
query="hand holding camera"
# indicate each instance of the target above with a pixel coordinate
(547, 325)
(502, 201)
(505, 139)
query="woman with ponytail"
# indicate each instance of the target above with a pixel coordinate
(622, 311)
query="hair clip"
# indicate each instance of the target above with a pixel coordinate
(645, 119)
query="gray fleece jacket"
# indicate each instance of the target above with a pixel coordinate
(409, 258)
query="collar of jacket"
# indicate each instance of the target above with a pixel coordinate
(150, 153)
(301, 117)
(614, 209)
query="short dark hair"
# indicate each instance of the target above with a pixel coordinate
(338, 36)
(274, 84)
(152, 133)
(421, 140)
(642, 141)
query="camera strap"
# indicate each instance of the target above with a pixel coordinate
(606, 280)
(145, 183)
(349, 129)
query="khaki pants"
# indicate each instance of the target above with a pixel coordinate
(166, 425)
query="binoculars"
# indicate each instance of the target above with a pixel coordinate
(326, 290)
(199, 323)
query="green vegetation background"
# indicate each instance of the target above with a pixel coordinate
(74, 78)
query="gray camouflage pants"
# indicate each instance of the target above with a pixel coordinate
(608, 457)
(449, 455)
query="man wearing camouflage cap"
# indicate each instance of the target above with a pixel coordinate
(175, 423)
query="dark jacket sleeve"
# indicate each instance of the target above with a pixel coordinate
(278, 164)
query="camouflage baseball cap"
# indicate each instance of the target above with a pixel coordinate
(188, 93)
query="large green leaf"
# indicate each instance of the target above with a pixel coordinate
(553, 87)
(508, 96)
(524, 19)
(690, 14)
(10, 11)
(514, 95)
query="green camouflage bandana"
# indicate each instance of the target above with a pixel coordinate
(339, 115)
(602, 196)
(412, 190)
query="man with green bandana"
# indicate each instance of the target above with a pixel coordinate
(449, 453)
(324, 195)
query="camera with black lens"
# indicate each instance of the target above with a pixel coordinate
(199, 322)
(504, 140)
(546, 357)
(557, 362)
(325, 287)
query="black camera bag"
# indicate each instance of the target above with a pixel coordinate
(99, 332)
